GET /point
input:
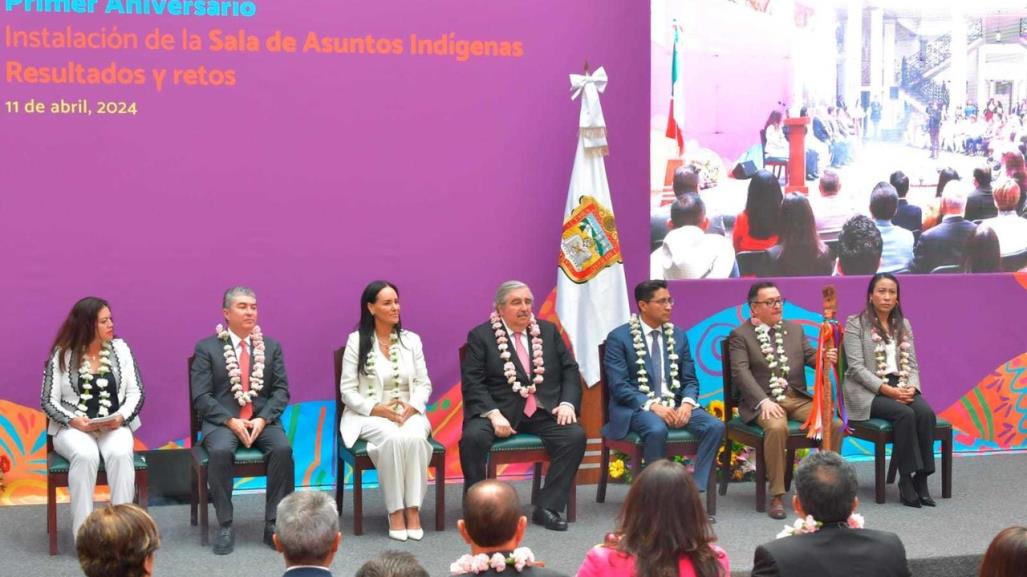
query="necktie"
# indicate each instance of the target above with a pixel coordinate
(657, 356)
(522, 354)
(246, 411)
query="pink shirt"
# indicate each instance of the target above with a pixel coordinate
(606, 562)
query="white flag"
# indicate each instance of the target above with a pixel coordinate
(591, 293)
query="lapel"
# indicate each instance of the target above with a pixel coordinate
(73, 362)
(116, 371)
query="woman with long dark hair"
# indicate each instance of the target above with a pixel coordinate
(92, 395)
(662, 531)
(385, 388)
(982, 252)
(799, 251)
(883, 381)
(757, 226)
(1007, 554)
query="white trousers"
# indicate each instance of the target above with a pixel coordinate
(83, 451)
(401, 455)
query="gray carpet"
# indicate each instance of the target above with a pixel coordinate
(945, 542)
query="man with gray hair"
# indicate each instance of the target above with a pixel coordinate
(308, 534)
(239, 389)
(945, 243)
(518, 376)
(391, 563)
(825, 486)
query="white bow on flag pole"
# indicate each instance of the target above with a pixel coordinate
(591, 292)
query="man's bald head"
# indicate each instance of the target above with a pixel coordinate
(492, 510)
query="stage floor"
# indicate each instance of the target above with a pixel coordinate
(944, 541)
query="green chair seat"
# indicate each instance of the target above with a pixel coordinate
(518, 442)
(737, 424)
(359, 448)
(884, 426)
(673, 436)
(58, 464)
(243, 455)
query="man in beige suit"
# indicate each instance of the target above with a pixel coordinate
(768, 360)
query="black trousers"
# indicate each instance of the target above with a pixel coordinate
(913, 426)
(221, 444)
(564, 443)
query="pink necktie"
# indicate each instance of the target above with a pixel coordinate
(246, 411)
(522, 353)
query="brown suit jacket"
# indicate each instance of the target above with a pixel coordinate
(750, 373)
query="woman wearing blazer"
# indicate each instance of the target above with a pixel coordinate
(883, 381)
(385, 388)
(92, 395)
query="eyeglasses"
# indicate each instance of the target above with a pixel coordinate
(772, 303)
(667, 302)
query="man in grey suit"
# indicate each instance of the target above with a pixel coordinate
(239, 389)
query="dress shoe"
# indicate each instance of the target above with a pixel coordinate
(920, 484)
(224, 543)
(269, 533)
(549, 519)
(776, 510)
(415, 534)
(397, 534)
(907, 492)
(712, 520)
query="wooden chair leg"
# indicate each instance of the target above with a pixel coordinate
(725, 466)
(51, 514)
(711, 493)
(789, 468)
(879, 477)
(604, 473)
(340, 484)
(946, 465)
(536, 483)
(193, 497)
(358, 500)
(143, 489)
(761, 481)
(201, 487)
(440, 494)
(636, 462)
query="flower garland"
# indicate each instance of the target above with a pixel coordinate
(509, 370)
(881, 354)
(85, 374)
(777, 360)
(232, 364)
(369, 362)
(667, 399)
(520, 558)
(811, 525)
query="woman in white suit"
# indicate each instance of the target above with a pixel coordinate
(385, 388)
(92, 395)
(882, 380)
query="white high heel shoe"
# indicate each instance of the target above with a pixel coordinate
(398, 535)
(415, 534)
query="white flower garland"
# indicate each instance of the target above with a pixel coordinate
(881, 354)
(232, 364)
(777, 360)
(369, 362)
(667, 399)
(509, 370)
(519, 559)
(85, 374)
(811, 525)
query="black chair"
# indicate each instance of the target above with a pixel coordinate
(57, 468)
(362, 462)
(525, 448)
(249, 462)
(880, 433)
(1014, 262)
(751, 434)
(775, 165)
(753, 263)
(947, 269)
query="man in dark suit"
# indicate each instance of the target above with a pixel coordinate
(308, 534)
(945, 244)
(908, 216)
(239, 388)
(494, 523)
(766, 400)
(826, 490)
(651, 398)
(517, 375)
(981, 204)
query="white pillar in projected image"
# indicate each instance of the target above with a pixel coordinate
(957, 72)
(853, 51)
(876, 54)
(888, 55)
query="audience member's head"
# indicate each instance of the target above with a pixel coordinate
(946, 175)
(884, 201)
(1007, 554)
(117, 541)
(307, 529)
(391, 563)
(774, 119)
(800, 243)
(493, 519)
(953, 200)
(686, 181)
(830, 184)
(900, 181)
(1006, 195)
(763, 204)
(688, 210)
(859, 246)
(825, 488)
(663, 518)
(982, 252)
(982, 177)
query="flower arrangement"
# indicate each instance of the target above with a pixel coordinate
(776, 358)
(673, 384)
(509, 370)
(232, 365)
(519, 559)
(881, 355)
(619, 471)
(85, 374)
(811, 525)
